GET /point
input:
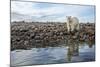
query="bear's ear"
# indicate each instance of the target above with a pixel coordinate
(68, 17)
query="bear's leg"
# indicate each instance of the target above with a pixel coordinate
(68, 28)
(77, 27)
(72, 28)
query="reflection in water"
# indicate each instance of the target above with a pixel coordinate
(73, 48)
(74, 51)
(90, 43)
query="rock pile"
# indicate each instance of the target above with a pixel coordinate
(35, 34)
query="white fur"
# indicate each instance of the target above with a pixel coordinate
(72, 23)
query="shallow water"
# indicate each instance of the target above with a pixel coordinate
(72, 52)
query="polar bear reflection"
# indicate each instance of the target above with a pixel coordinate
(73, 49)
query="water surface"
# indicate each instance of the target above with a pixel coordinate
(72, 52)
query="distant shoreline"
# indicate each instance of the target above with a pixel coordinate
(44, 22)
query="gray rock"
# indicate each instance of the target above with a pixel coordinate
(26, 42)
(38, 41)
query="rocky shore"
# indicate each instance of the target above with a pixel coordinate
(26, 35)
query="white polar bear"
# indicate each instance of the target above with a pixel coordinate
(72, 24)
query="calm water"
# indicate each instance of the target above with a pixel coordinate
(72, 52)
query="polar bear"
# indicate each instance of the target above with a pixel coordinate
(72, 23)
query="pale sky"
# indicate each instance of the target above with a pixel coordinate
(36, 11)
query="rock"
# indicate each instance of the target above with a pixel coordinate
(32, 35)
(65, 33)
(18, 39)
(26, 42)
(59, 37)
(61, 33)
(81, 39)
(23, 30)
(33, 26)
(74, 37)
(37, 34)
(38, 41)
(50, 34)
(37, 37)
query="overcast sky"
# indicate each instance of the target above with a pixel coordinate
(35, 11)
